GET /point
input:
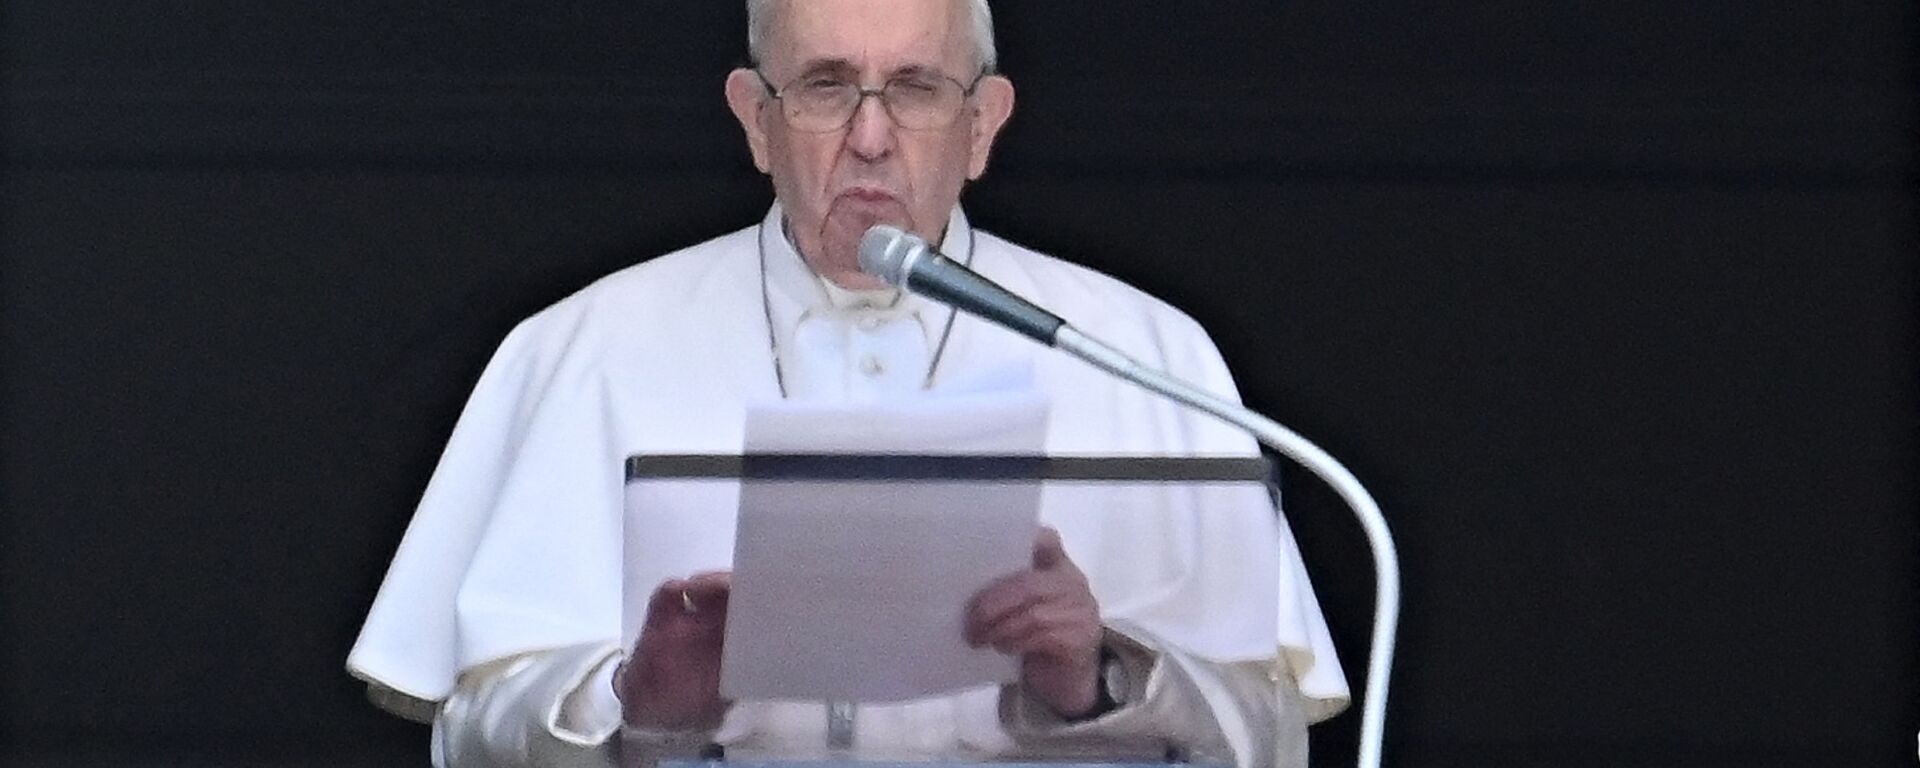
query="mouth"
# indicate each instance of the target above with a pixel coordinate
(869, 195)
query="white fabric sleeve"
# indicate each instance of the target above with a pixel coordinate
(1248, 714)
(548, 709)
(508, 713)
(552, 709)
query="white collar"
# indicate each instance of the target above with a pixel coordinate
(794, 290)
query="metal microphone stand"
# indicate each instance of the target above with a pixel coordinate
(1386, 562)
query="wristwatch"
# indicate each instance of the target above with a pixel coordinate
(1111, 693)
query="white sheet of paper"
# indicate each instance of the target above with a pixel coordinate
(855, 591)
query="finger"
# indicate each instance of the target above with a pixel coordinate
(1003, 635)
(1050, 554)
(1048, 550)
(1070, 619)
(712, 577)
(664, 603)
(708, 588)
(998, 600)
(1001, 595)
(1022, 590)
(1050, 629)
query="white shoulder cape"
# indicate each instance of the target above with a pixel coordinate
(516, 544)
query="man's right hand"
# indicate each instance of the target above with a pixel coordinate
(671, 682)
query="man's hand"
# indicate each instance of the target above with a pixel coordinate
(1048, 617)
(672, 680)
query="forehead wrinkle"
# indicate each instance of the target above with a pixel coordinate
(882, 39)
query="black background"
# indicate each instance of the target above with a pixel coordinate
(1612, 304)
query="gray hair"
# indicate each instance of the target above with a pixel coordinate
(760, 15)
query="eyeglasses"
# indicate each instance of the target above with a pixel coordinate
(916, 102)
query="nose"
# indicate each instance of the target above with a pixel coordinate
(870, 134)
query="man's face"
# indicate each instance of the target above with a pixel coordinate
(835, 185)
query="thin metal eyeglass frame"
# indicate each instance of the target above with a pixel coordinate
(966, 92)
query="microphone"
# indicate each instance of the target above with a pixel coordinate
(907, 262)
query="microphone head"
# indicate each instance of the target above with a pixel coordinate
(885, 252)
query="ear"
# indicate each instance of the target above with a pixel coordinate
(992, 105)
(747, 97)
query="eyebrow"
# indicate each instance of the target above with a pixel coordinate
(826, 66)
(846, 67)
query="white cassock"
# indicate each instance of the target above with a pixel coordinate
(501, 615)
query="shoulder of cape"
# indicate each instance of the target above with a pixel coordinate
(678, 276)
(661, 288)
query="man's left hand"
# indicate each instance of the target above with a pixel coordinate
(1047, 616)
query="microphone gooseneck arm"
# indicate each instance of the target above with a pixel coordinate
(906, 261)
(1386, 560)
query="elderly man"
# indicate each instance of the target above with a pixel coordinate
(501, 616)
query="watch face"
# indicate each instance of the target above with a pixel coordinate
(1113, 677)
